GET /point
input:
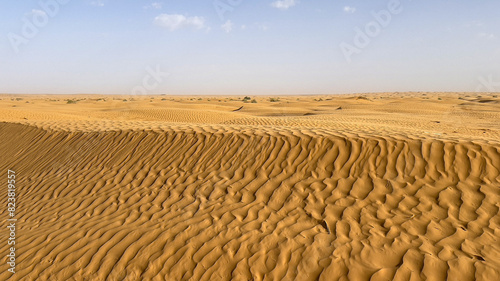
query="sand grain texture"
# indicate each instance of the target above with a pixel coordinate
(386, 187)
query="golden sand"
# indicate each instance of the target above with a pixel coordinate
(389, 186)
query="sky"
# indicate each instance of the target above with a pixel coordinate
(244, 47)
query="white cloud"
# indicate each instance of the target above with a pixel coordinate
(175, 21)
(284, 4)
(98, 3)
(262, 26)
(227, 26)
(36, 12)
(154, 5)
(349, 9)
(488, 36)
(474, 23)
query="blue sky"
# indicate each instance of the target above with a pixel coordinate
(248, 47)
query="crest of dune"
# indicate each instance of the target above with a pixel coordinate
(353, 187)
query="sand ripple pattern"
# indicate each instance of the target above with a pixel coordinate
(222, 204)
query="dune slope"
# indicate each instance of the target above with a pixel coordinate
(251, 203)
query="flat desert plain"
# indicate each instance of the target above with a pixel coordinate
(386, 186)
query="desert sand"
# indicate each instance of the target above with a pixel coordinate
(386, 186)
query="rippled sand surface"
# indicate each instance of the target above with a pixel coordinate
(388, 186)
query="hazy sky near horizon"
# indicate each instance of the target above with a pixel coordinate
(248, 47)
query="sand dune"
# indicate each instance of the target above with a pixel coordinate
(360, 187)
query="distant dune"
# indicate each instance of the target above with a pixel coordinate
(389, 186)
